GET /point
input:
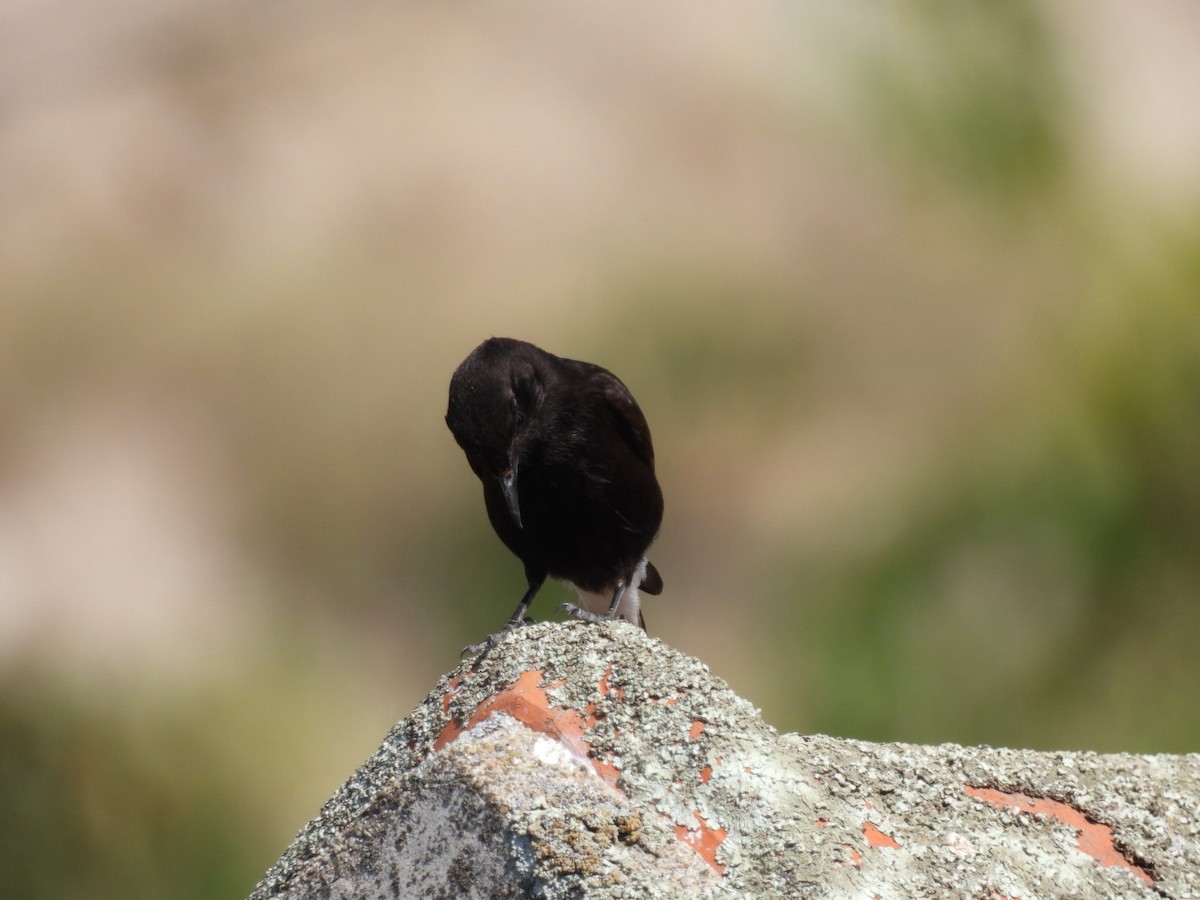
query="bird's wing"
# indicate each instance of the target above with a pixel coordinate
(630, 421)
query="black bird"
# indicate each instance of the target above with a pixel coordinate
(567, 467)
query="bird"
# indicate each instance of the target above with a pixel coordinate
(567, 465)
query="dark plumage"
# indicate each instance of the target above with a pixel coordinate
(567, 466)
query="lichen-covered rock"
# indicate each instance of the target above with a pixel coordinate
(576, 760)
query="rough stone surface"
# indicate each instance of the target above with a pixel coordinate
(576, 760)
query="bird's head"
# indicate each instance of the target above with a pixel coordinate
(496, 395)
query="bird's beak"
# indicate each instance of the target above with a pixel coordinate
(508, 486)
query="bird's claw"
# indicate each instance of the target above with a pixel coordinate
(577, 612)
(496, 637)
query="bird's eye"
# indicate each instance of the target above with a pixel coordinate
(526, 396)
(522, 400)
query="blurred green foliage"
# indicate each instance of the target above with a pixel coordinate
(974, 96)
(1013, 603)
(98, 803)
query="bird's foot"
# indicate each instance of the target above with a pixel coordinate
(493, 639)
(578, 612)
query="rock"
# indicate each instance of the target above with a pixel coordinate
(576, 760)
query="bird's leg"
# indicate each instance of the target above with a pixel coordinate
(579, 613)
(616, 600)
(516, 620)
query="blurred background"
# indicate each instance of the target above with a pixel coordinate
(910, 297)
